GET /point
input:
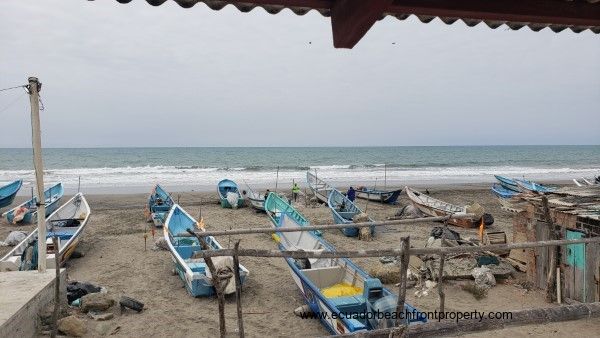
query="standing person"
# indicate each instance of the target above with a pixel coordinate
(267, 194)
(351, 194)
(295, 191)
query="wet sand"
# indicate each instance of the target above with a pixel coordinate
(114, 257)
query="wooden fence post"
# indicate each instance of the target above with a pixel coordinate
(551, 278)
(441, 283)
(216, 283)
(56, 288)
(404, 259)
(238, 289)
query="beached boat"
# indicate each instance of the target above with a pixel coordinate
(228, 190)
(159, 204)
(193, 271)
(67, 223)
(508, 183)
(501, 192)
(27, 211)
(8, 193)
(526, 186)
(257, 200)
(583, 182)
(276, 206)
(319, 188)
(343, 211)
(434, 207)
(381, 196)
(344, 297)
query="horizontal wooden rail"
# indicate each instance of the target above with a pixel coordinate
(272, 230)
(390, 252)
(518, 318)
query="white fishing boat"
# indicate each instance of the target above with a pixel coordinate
(67, 223)
(319, 188)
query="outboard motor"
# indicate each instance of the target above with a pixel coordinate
(379, 305)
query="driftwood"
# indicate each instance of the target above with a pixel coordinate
(272, 230)
(519, 317)
(391, 252)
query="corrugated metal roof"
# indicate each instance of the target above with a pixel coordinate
(301, 7)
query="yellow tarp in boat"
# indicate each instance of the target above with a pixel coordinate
(341, 290)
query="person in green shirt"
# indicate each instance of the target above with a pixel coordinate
(295, 191)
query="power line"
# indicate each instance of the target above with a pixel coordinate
(11, 103)
(15, 87)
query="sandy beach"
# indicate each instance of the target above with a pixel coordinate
(116, 257)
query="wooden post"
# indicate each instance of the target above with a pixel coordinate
(216, 284)
(277, 179)
(405, 256)
(56, 288)
(384, 176)
(440, 283)
(238, 288)
(36, 140)
(551, 278)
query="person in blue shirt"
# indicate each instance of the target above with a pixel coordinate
(351, 194)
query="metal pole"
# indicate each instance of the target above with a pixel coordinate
(36, 140)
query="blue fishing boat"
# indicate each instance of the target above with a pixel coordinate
(8, 193)
(502, 192)
(381, 196)
(343, 211)
(27, 211)
(343, 296)
(193, 271)
(229, 194)
(531, 186)
(277, 206)
(67, 223)
(508, 183)
(159, 204)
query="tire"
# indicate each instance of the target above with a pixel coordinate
(131, 303)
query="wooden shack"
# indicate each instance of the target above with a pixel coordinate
(569, 213)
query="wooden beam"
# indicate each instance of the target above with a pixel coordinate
(387, 252)
(558, 12)
(272, 230)
(517, 318)
(352, 19)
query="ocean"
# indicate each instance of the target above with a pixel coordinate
(136, 169)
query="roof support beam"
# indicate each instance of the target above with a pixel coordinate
(352, 19)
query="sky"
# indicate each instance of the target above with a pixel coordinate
(136, 75)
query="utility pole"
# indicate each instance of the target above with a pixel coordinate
(36, 140)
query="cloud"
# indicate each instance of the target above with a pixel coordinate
(137, 75)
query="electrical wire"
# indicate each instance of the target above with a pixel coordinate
(22, 86)
(11, 103)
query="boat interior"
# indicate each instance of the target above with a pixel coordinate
(349, 290)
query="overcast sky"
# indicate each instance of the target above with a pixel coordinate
(137, 75)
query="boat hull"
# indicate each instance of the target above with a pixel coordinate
(192, 271)
(386, 197)
(225, 186)
(52, 195)
(9, 192)
(335, 202)
(442, 209)
(508, 183)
